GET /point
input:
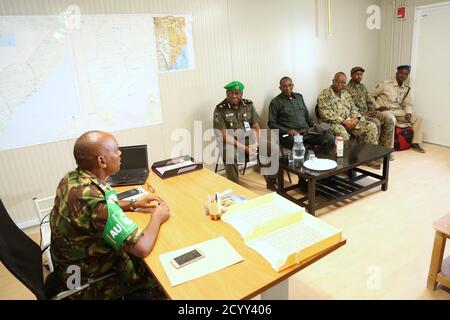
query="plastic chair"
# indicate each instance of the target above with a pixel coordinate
(43, 208)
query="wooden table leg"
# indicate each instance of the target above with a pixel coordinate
(386, 161)
(351, 174)
(312, 197)
(436, 259)
(280, 180)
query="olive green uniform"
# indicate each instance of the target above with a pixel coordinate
(238, 122)
(290, 113)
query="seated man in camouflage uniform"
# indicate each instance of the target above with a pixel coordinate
(365, 104)
(288, 114)
(89, 230)
(336, 107)
(236, 123)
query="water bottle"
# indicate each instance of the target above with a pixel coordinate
(298, 151)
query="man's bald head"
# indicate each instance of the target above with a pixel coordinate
(339, 82)
(91, 145)
(339, 75)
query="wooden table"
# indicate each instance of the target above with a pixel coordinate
(188, 225)
(328, 184)
(435, 276)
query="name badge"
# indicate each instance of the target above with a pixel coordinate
(247, 126)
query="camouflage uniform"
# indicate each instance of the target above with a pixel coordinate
(384, 121)
(334, 110)
(233, 120)
(77, 221)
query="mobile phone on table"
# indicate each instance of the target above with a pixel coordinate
(187, 258)
(127, 193)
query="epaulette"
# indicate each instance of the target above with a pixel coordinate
(222, 105)
(246, 101)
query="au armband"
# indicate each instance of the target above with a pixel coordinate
(119, 226)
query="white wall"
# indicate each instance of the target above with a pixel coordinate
(397, 35)
(254, 41)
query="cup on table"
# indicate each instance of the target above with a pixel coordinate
(311, 155)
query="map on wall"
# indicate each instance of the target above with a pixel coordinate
(58, 82)
(174, 45)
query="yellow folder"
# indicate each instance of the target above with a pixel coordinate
(281, 231)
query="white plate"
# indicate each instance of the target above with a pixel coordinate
(320, 164)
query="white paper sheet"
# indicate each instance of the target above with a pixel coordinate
(219, 254)
(277, 246)
(175, 166)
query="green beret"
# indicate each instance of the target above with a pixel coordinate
(235, 86)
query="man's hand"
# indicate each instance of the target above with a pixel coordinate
(348, 124)
(293, 132)
(408, 117)
(382, 109)
(355, 122)
(150, 201)
(161, 213)
(251, 150)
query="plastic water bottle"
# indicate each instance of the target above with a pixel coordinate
(298, 151)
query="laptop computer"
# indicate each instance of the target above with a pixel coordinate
(133, 168)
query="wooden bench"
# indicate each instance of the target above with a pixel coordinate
(435, 276)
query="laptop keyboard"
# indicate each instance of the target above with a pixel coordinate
(133, 175)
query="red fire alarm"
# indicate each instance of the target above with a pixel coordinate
(401, 13)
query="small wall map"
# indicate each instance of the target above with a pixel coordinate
(174, 47)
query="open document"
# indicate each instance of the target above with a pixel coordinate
(281, 231)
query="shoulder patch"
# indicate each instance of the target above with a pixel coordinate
(246, 101)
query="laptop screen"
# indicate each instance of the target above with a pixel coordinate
(134, 157)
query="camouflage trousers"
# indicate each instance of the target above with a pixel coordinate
(365, 131)
(385, 123)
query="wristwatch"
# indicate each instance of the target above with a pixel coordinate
(131, 205)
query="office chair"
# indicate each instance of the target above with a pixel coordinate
(21, 255)
(23, 258)
(247, 159)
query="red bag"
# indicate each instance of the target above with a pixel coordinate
(403, 138)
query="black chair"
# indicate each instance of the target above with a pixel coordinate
(246, 160)
(21, 255)
(23, 258)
